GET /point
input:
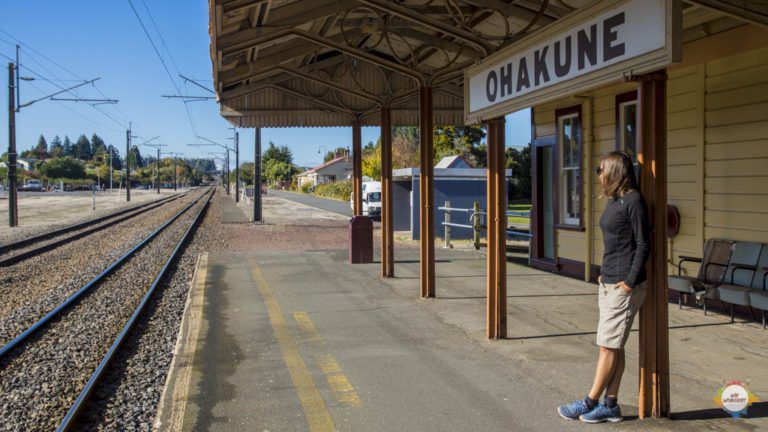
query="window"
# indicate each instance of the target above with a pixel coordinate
(569, 164)
(626, 127)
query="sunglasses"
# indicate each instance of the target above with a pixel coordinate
(598, 170)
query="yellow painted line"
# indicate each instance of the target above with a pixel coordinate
(315, 412)
(306, 324)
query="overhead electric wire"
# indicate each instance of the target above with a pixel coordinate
(162, 61)
(65, 69)
(75, 112)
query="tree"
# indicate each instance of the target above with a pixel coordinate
(117, 161)
(371, 161)
(275, 170)
(461, 140)
(339, 151)
(405, 147)
(65, 167)
(282, 154)
(97, 146)
(56, 149)
(41, 149)
(246, 173)
(519, 160)
(69, 149)
(83, 148)
(135, 160)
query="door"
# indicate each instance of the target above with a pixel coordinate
(543, 215)
(547, 202)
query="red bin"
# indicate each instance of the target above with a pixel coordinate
(360, 240)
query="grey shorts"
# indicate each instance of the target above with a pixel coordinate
(617, 312)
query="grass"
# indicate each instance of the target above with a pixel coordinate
(517, 220)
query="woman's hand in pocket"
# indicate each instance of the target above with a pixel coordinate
(625, 287)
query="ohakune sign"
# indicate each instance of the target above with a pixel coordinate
(602, 43)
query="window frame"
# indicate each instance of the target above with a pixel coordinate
(571, 111)
(622, 100)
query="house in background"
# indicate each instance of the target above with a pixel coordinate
(455, 181)
(329, 172)
(27, 164)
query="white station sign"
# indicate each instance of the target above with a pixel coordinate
(598, 44)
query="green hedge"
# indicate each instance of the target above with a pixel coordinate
(340, 190)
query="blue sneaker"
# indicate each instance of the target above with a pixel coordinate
(602, 413)
(573, 410)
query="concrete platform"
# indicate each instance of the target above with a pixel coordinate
(304, 341)
(230, 212)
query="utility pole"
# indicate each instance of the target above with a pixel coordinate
(175, 177)
(128, 164)
(257, 177)
(110, 167)
(175, 156)
(13, 211)
(158, 170)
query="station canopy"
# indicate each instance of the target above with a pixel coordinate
(322, 63)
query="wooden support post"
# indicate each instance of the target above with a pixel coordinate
(654, 325)
(387, 232)
(496, 260)
(426, 195)
(357, 168)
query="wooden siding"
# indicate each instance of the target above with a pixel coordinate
(736, 147)
(717, 153)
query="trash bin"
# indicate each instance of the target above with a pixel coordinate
(360, 240)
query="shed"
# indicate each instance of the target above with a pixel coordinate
(462, 186)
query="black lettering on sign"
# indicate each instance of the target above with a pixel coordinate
(522, 74)
(506, 79)
(587, 46)
(491, 89)
(611, 51)
(563, 67)
(540, 70)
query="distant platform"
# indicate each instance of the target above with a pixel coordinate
(230, 212)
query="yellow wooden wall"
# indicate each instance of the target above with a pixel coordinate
(717, 141)
(736, 147)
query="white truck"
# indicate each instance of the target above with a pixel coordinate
(371, 199)
(33, 185)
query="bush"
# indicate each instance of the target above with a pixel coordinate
(306, 188)
(65, 167)
(340, 190)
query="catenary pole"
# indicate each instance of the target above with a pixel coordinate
(127, 167)
(157, 164)
(13, 213)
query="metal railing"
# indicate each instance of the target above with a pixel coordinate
(475, 223)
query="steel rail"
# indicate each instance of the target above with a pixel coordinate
(71, 417)
(5, 262)
(101, 276)
(38, 238)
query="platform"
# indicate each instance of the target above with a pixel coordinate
(301, 340)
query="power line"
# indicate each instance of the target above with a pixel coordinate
(65, 69)
(162, 60)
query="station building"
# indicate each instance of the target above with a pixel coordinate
(683, 85)
(717, 149)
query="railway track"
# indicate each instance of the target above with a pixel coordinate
(67, 343)
(15, 252)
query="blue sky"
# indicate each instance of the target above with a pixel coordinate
(87, 39)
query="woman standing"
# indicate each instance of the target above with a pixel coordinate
(625, 228)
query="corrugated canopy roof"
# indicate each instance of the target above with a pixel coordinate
(313, 63)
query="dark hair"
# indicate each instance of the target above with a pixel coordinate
(619, 174)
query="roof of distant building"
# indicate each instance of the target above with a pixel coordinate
(321, 166)
(456, 161)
